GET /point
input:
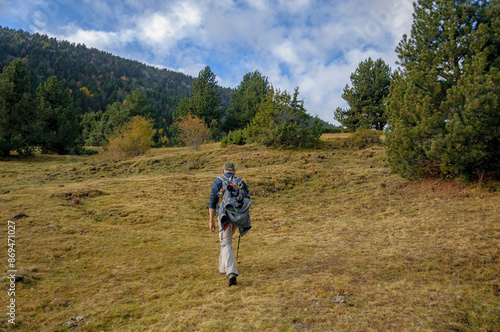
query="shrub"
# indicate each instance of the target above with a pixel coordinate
(238, 137)
(364, 138)
(283, 122)
(133, 139)
(193, 131)
(333, 130)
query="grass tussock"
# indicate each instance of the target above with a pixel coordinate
(338, 243)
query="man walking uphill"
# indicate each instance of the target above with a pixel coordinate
(229, 199)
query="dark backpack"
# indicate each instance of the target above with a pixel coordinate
(234, 204)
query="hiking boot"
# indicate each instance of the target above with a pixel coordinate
(232, 279)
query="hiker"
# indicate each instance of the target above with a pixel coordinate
(227, 265)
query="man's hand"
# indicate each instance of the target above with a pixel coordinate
(211, 214)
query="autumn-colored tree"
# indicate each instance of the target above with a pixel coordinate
(162, 138)
(193, 131)
(133, 139)
(87, 92)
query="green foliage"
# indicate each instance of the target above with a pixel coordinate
(370, 85)
(364, 138)
(245, 101)
(132, 139)
(238, 137)
(108, 78)
(93, 128)
(97, 126)
(18, 116)
(57, 118)
(283, 122)
(347, 118)
(332, 129)
(443, 106)
(43, 119)
(174, 132)
(204, 102)
(136, 104)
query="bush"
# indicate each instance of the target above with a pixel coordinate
(193, 131)
(79, 150)
(283, 122)
(364, 138)
(238, 137)
(133, 139)
(333, 130)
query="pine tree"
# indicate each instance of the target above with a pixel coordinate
(18, 116)
(347, 119)
(204, 102)
(245, 101)
(443, 108)
(136, 104)
(283, 122)
(370, 85)
(57, 118)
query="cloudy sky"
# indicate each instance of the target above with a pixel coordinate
(312, 44)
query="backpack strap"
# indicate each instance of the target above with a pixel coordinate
(226, 181)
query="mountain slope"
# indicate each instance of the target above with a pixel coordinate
(338, 243)
(108, 78)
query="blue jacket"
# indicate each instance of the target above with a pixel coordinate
(217, 185)
(232, 210)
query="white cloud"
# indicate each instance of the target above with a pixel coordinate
(98, 39)
(313, 44)
(285, 52)
(180, 22)
(162, 30)
(295, 6)
(157, 27)
(260, 5)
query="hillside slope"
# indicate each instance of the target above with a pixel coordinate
(338, 243)
(107, 77)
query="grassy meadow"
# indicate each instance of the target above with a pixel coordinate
(339, 243)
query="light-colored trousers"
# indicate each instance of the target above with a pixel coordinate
(226, 257)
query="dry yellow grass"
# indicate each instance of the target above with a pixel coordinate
(126, 244)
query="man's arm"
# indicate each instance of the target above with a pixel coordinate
(245, 188)
(211, 214)
(213, 203)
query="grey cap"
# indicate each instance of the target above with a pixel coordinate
(228, 167)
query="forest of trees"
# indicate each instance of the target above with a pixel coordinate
(96, 78)
(43, 118)
(87, 95)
